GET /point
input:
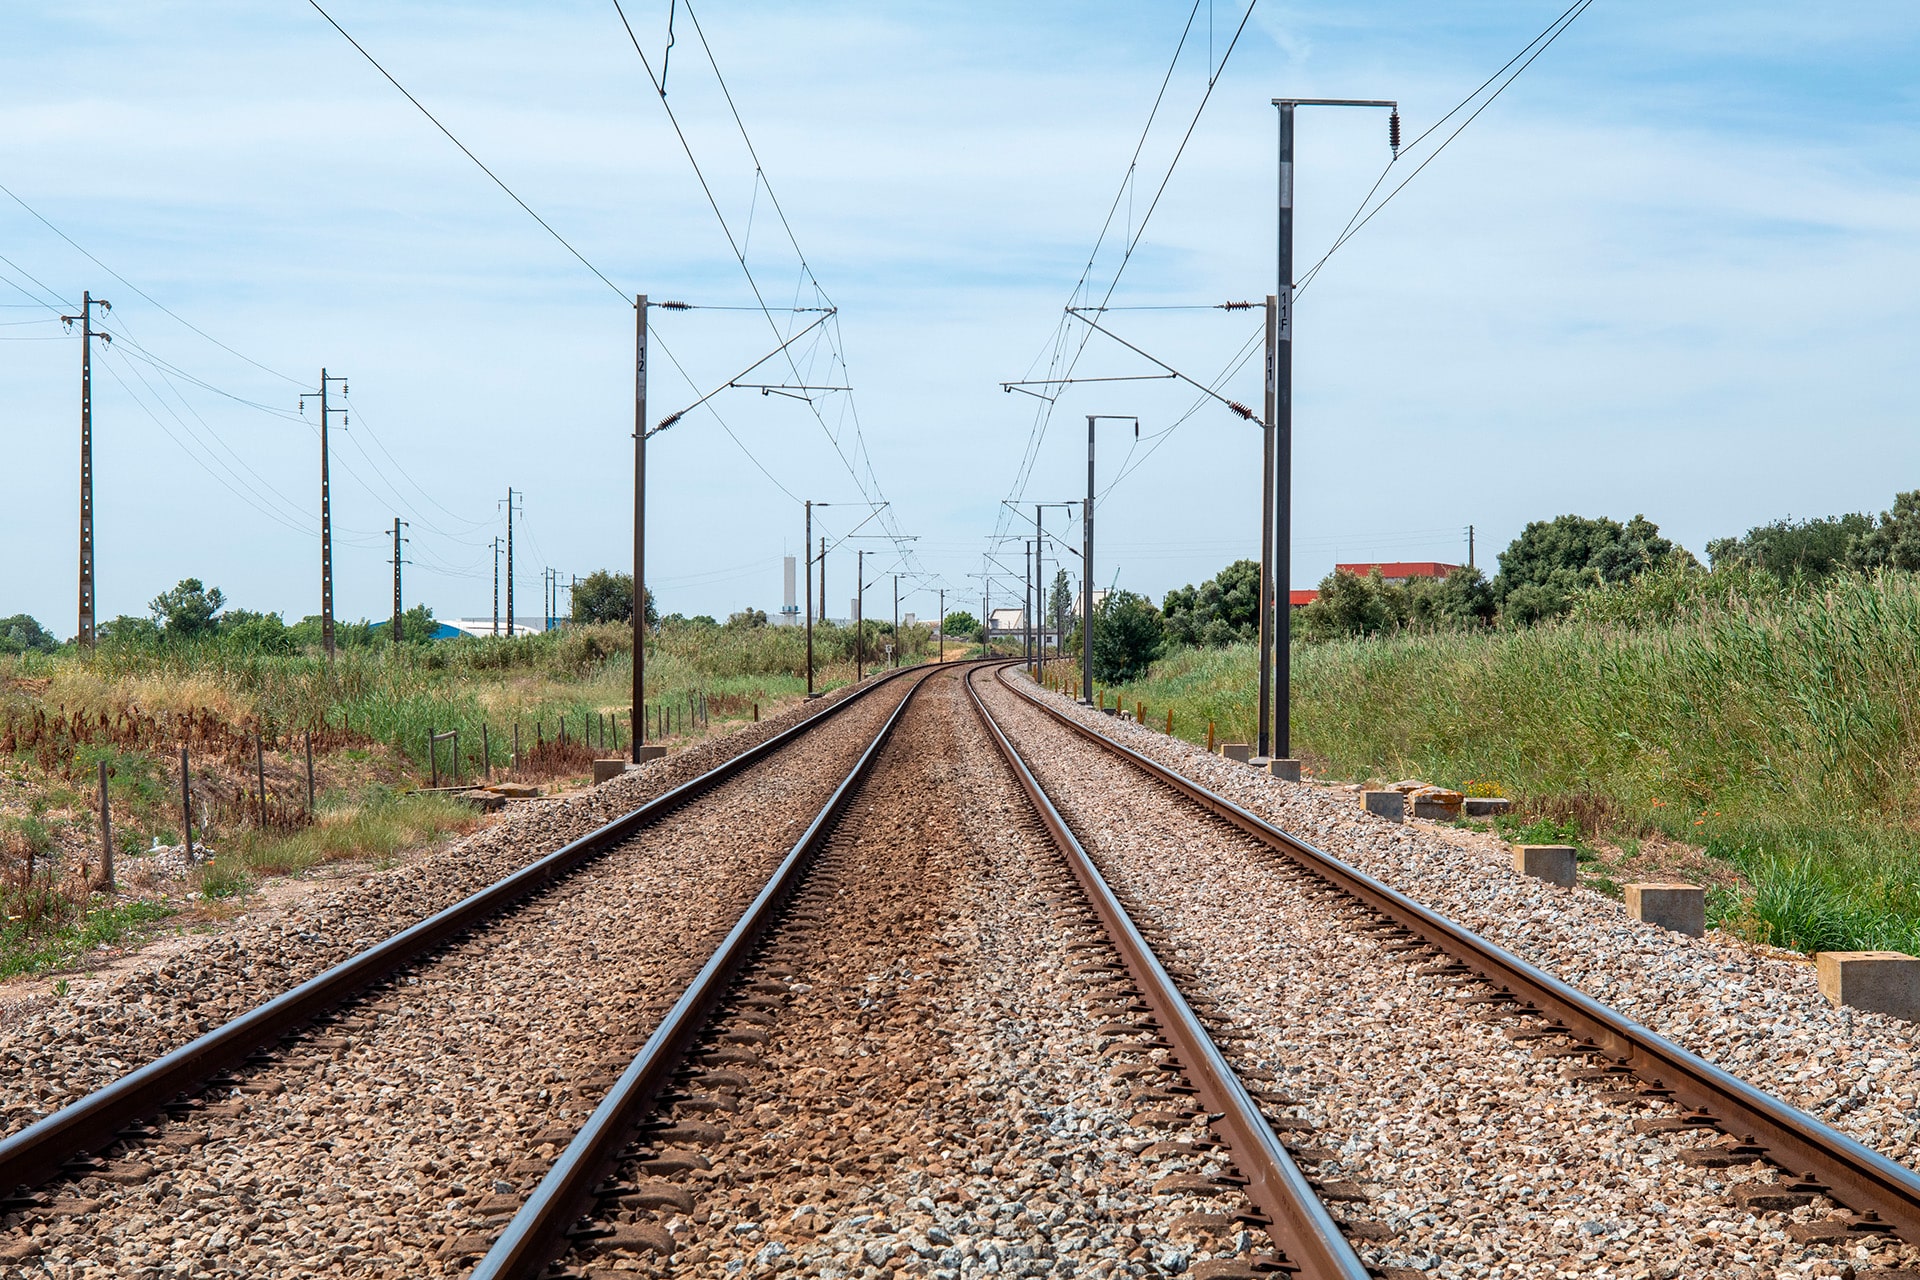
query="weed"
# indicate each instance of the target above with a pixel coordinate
(222, 878)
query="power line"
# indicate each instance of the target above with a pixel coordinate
(511, 194)
(1553, 31)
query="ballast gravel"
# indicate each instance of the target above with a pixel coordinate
(1472, 1142)
(916, 1087)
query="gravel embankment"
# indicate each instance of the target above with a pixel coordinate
(1760, 1017)
(917, 1085)
(1480, 1157)
(55, 1049)
(381, 1137)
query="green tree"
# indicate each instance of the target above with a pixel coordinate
(188, 610)
(1464, 598)
(1352, 605)
(253, 632)
(23, 634)
(1225, 609)
(1552, 560)
(605, 596)
(1128, 634)
(1895, 544)
(747, 617)
(1789, 548)
(1060, 602)
(960, 623)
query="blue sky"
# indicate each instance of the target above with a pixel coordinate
(1669, 271)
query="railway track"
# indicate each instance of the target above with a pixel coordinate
(448, 997)
(970, 1005)
(1815, 1189)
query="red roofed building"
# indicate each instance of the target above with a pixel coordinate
(1299, 599)
(1397, 572)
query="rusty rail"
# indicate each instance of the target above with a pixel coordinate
(39, 1152)
(1295, 1217)
(1832, 1163)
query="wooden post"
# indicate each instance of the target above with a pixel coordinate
(309, 773)
(260, 773)
(1139, 712)
(486, 752)
(756, 713)
(1169, 722)
(433, 760)
(515, 762)
(106, 834)
(186, 803)
(456, 757)
(1209, 737)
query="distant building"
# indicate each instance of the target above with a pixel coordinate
(1006, 621)
(1300, 599)
(1398, 572)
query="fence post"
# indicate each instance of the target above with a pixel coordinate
(1209, 737)
(260, 773)
(1169, 722)
(486, 752)
(614, 720)
(433, 760)
(186, 803)
(456, 757)
(106, 833)
(309, 773)
(516, 745)
(756, 713)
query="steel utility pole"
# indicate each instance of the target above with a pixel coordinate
(1086, 560)
(806, 553)
(896, 619)
(398, 524)
(85, 635)
(1026, 566)
(1281, 358)
(1269, 601)
(326, 514)
(496, 584)
(638, 711)
(859, 608)
(943, 624)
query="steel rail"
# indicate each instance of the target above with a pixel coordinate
(1295, 1217)
(538, 1233)
(1847, 1171)
(39, 1152)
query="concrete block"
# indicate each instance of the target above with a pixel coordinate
(645, 754)
(1679, 907)
(484, 801)
(1877, 981)
(1241, 751)
(607, 770)
(1390, 805)
(1554, 863)
(1485, 806)
(514, 790)
(1436, 803)
(1285, 770)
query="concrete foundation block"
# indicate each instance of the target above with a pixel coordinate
(1485, 806)
(1241, 751)
(608, 770)
(1391, 805)
(1877, 981)
(644, 754)
(1679, 907)
(514, 790)
(1437, 804)
(1553, 863)
(1287, 770)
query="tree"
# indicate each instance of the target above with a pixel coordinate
(188, 610)
(1222, 610)
(1352, 605)
(1788, 548)
(1896, 543)
(255, 632)
(1543, 568)
(605, 596)
(1060, 602)
(1464, 598)
(747, 617)
(960, 623)
(23, 634)
(1128, 634)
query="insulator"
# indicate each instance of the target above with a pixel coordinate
(1393, 133)
(1240, 409)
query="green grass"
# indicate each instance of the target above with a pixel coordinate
(26, 950)
(1778, 729)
